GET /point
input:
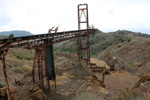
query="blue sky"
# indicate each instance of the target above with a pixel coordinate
(37, 16)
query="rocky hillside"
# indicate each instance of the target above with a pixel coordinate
(121, 49)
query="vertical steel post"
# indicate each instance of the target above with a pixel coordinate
(103, 75)
(42, 69)
(46, 71)
(33, 70)
(38, 62)
(83, 45)
(3, 55)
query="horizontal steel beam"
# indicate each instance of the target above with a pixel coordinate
(42, 38)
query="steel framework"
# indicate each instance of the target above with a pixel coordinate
(83, 41)
(39, 42)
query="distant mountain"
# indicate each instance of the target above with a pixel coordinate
(16, 33)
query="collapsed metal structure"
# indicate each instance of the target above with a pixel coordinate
(43, 64)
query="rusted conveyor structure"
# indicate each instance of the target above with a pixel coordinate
(42, 39)
(43, 45)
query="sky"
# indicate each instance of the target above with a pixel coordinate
(37, 16)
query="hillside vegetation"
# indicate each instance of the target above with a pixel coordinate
(126, 51)
(130, 50)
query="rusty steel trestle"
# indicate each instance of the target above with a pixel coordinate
(83, 41)
(39, 62)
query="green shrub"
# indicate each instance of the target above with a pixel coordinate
(2, 84)
(17, 70)
(27, 68)
(105, 45)
(129, 40)
(27, 59)
(119, 46)
(19, 57)
(68, 50)
(126, 95)
(120, 32)
(11, 35)
(139, 65)
(16, 65)
(121, 40)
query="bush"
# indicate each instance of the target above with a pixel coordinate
(11, 35)
(121, 40)
(19, 57)
(120, 32)
(139, 65)
(2, 84)
(119, 46)
(126, 95)
(17, 70)
(16, 65)
(105, 45)
(27, 68)
(129, 40)
(27, 59)
(67, 50)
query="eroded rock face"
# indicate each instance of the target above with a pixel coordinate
(30, 93)
(37, 93)
(97, 82)
(3, 92)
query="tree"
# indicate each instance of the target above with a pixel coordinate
(11, 35)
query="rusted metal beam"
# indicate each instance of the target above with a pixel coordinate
(83, 41)
(3, 55)
(21, 40)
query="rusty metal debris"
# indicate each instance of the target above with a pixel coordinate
(18, 83)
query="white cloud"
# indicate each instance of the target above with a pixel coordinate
(37, 16)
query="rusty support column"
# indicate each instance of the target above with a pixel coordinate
(33, 70)
(103, 75)
(46, 71)
(39, 67)
(83, 41)
(3, 55)
(42, 70)
(38, 63)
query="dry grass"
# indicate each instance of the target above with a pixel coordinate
(2, 84)
(141, 93)
(87, 96)
(27, 68)
(17, 70)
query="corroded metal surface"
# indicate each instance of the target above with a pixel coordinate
(3, 55)
(39, 40)
(83, 41)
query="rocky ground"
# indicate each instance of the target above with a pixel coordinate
(127, 54)
(72, 87)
